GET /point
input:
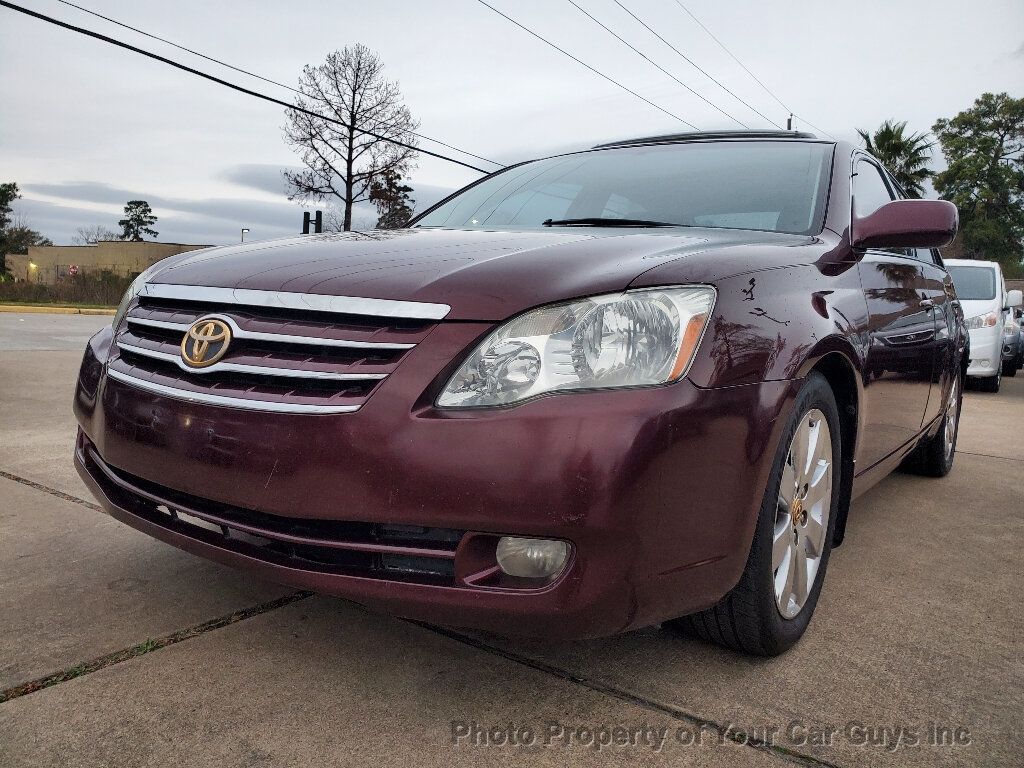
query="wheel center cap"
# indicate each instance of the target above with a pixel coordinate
(796, 511)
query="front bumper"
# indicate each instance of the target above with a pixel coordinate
(1011, 347)
(986, 351)
(657, 490)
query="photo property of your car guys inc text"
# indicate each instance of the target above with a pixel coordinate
(488, 383)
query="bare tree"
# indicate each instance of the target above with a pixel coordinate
(342, 161)
(334, 218)
(92, 235)
(17, 236)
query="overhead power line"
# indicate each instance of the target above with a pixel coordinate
(696, 66)
(654, 63)
(233, 86)
(721, 45)
(177, 45)
(251, 74)
(584, 64)
(756, 79)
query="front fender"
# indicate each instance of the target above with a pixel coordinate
(777, 324)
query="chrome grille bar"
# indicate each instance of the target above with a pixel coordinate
(228, 402)
(282, 338)
(262, 370)
(309, 302)
(307, 373)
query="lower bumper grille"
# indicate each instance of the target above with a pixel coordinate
(373, 550)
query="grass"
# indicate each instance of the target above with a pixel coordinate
(56, 303)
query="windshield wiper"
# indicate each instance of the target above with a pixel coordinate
(597, 221)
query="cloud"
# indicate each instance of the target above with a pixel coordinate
(60, 221)
(1019, 53)
(234, 209)
(211, 220)
(426, 195)
(263, 177)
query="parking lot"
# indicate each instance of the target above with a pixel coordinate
(116, 649)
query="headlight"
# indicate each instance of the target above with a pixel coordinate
(133, 290)
(982, 321)
(630, 339)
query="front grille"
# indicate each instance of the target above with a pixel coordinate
(405, 553)
(291, 353)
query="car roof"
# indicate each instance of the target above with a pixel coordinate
(970, 263)
(676, 138)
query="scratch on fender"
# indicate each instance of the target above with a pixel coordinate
(749, 292)
(761, 312)
(271, 475)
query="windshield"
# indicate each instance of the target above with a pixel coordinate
(974, 283)
(778, 186)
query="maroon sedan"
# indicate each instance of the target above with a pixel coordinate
(584, 394)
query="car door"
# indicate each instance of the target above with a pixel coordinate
(938, 289)
(900, 360)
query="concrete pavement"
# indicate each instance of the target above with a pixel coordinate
(917, 635)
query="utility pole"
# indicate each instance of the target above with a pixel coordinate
(318, 222)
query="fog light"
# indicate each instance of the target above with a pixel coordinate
(531, 558)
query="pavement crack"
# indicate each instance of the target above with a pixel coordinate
(726, 732)
(989, 456)
(51, 491)
(148, 646)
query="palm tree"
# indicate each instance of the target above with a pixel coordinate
(905, 155)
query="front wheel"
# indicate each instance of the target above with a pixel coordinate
(1010, 367)
(771, 606)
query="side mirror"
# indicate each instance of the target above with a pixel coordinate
(907, 224)
(1014, 299)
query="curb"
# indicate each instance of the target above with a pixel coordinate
(45, 309)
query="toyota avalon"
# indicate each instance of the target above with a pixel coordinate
(635, 384)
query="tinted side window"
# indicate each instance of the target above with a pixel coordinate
(869, 190)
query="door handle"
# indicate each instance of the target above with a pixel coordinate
(927, 304)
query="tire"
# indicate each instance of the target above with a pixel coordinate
(934, 457)
(1010, 368)
(752, 618)
(991, 383)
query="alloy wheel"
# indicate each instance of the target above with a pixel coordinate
(952, 414)
(802, 515)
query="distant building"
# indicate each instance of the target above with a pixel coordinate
(50, 263)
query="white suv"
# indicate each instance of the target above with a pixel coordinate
(985, 302)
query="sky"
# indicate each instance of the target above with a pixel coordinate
(84, 126)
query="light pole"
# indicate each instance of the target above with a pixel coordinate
(244, 230)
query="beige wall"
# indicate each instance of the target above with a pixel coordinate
(47, 263)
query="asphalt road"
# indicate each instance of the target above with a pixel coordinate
(172, 660)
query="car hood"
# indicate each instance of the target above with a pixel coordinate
(975, 307)
(481, 275)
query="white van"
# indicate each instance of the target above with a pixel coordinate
(982, 293)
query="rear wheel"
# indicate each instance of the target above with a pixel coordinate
(771, 606)
(934, 457)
